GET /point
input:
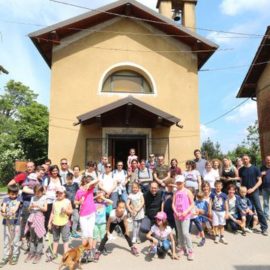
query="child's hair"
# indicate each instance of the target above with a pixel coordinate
(206, 184)
(135, 184)
(218, 182)
(200, 195)
(242, 189)
(76, 166)
(83, 181)
(13, 189)
(69, 175)
(40, 168)
(191, 163)
(38, 188)
(120, 201)
(231, 186)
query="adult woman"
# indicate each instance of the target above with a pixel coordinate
(192, 176)
(76, 175)
(174, 169)
(145, 176)
(229, 174)
(91, 170)
(51, 184)
(216, 165)
(210, 175)
(238, 163)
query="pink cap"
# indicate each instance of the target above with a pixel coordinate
(161, 216)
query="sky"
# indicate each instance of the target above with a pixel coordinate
(217, 88)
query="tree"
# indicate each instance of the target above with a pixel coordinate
(211, 150)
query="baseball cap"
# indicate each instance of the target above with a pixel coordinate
(179, 179)
(161, 216)
(60, 189)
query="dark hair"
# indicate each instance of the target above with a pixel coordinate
(38, 188)
(83, 181)
(196, 150)
(69, 175)
(48, 160)
(191, 163)
(231, 186)
(200, 195)
(205, 184)
(120, 201)
(218, 182)
(76, 166)
(90, 164)
(142, 160)
(164, 222)
(134, 160)
(54, 167)
(40, 168)
(13, 189)
(174, 159)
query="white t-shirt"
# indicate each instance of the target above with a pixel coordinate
(115, 219)
(210, 177)
(40, 202)
(77, 179)
(161, 234)
(191, 179)
(51, 189)
(136, 200)
(107, 181)
(120, 177)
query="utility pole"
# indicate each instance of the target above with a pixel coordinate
(3, 70)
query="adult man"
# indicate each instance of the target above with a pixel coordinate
(152, 202)
(200, 162)
(251, 179)
(21, 177)
(101, 164)
(162, 172)
(64, 169)
(265, 173)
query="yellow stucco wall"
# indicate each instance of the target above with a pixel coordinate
(77, 69)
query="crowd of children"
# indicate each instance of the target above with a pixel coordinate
(164, 206)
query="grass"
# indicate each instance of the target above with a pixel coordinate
(3, 189)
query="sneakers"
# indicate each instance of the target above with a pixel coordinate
(138, 241)
(264, 232)
(223, 240)
(91, 256)
(97, 255)
(14, 260)
(182, 252)
(134, 240)
(134, 251)
(36, 259)
(153, 250)
(248, 230)
(216, 241)
(85, 257)
(202, 242)
(3, 262)
(190, 256)
(29, 257)
(75, 235)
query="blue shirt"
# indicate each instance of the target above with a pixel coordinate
(218, 201)
(15, 219)
(266, 178)
(203, 205)
(249, 176)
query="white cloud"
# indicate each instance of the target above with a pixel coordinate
(245, 113)
(206, 132)
(235, 7)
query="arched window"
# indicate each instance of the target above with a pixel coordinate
(127, 81)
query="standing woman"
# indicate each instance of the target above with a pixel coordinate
(192, 176)
(174, 169)
(51, 184)
(216, 165)
(238, 163)
(210, 175)
(229, 174)
(77, 178)
(145, 177)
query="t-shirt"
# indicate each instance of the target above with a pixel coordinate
(51, 189)
(249, 176)
(202, 205)
(71, 192)
(120, 177)
(88, 206)
(200, 164)
(232, 205)
(116, 219)
(161, 234)
(191, 179)
(145, 174)
(167, 200)
(152, 204)
(63, 175)
(136, 200)
(218, 201)
(39, 202)
(266, 178)
(100, 213)
(210, 177)
(10, 204)
(77, 179)
(244, 203)
(107, 181)
(162, 171)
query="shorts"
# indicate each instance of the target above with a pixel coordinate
(99, 231)
(218, 218)
(61, 230)
(87, 224)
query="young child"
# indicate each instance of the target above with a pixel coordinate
(132, 156)
(10, 211)
(101, 202)
(118, 217)
(182, 205)
(36, 224)
(245, 208)
(198, 212)
(161, 237)
(85, 198)
(59, 220)
(218, 211)
(135, 206)
(71, 189)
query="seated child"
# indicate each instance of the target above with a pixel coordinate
(161, 237)
(36, 224)
(118, 217)
(10, 211)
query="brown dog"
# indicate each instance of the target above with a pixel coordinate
(73, 256)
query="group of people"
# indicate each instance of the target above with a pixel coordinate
(161, 202)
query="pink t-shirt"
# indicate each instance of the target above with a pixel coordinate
(182, 203)
(88, 206)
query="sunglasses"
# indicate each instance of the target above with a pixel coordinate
(63, 163)
(157, 219)
(120, 165)
(108, 166)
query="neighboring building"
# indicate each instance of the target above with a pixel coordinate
(256, 85)
(128, 74)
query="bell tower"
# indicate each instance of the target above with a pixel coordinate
(184, 10)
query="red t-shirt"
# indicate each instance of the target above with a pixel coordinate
(20, 178)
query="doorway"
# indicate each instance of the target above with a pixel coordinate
(119, 146)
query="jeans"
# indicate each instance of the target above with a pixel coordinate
(266, 197)
(146, 225)
(36, 244)
(255, 199)
(25, 215)
(75, 219)
(197, 223)
(184, 240)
